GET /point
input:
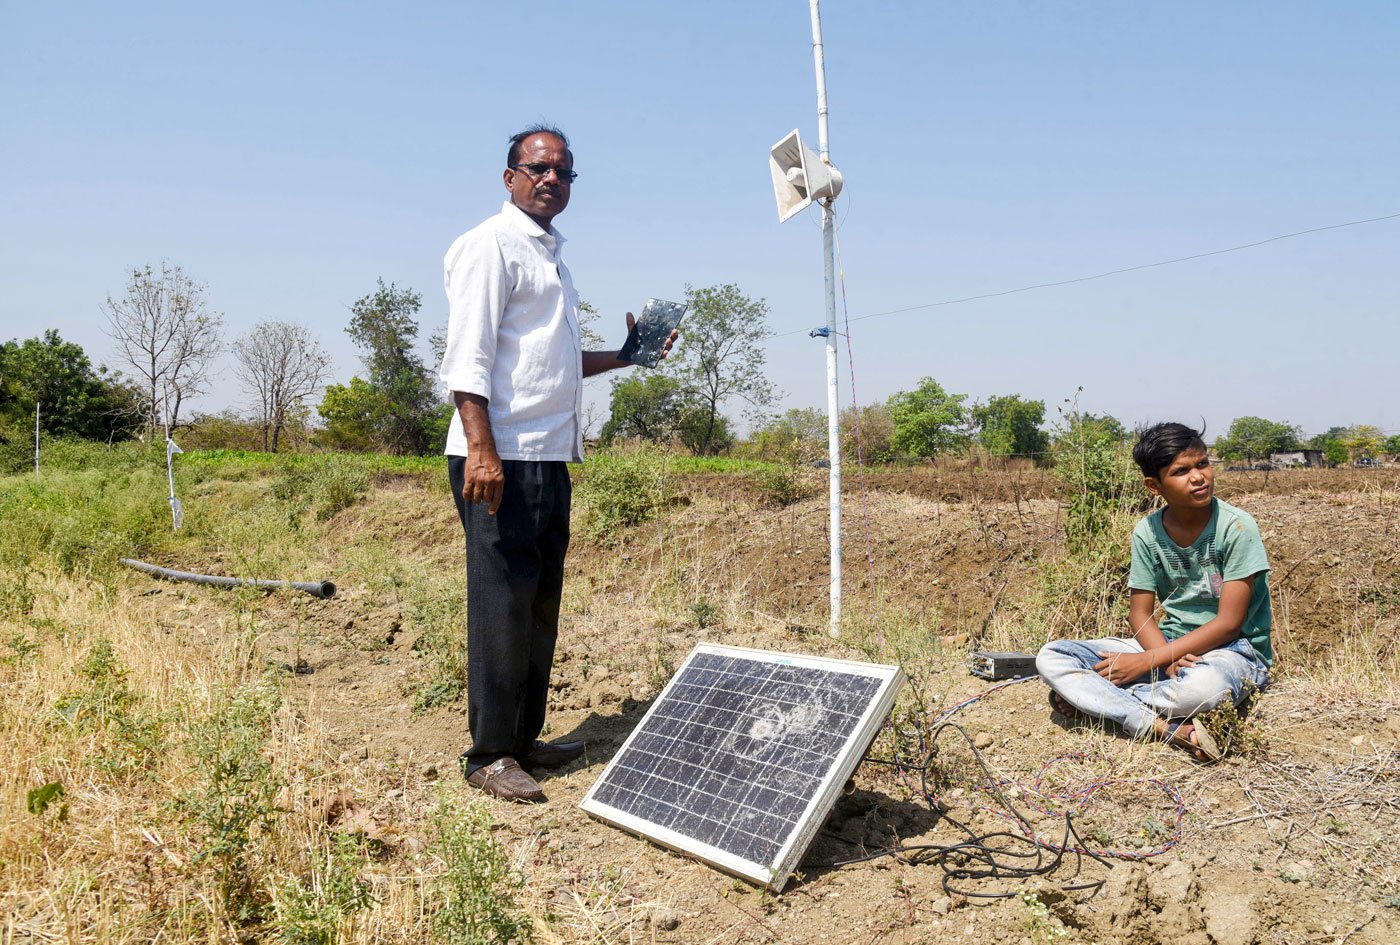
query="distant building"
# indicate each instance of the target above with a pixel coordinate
(1299, 459)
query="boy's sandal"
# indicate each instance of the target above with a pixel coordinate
(1205, 742)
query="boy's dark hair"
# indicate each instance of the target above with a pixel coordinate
(513, 155)
(1158, 445)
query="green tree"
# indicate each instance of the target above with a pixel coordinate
(1363, 441)
(928, 420)
(1254, 438)
(397, 404)
(646, 406)
(1076, 428)
(1333, 445)
(719, 361)
(796, 435)
(73, 398)
(1009, 426)
(704, 432)
(587, 330)
(436, 424)
(1391, 446)
(354, 414)
(868, 434)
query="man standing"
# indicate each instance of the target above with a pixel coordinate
(515, 366)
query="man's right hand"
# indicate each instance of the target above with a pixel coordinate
(485, 482)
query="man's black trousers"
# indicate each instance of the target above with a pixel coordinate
(515, 576)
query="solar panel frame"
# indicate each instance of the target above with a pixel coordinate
(883, 684)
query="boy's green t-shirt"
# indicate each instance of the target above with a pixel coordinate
(1188, 581)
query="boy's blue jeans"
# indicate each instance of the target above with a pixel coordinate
(1067, 666)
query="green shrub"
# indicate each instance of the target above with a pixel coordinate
(437, 614)
(316, 910)
(62, 454)
(621, 489)
(782, 484)
(232, 796)
(1094, 460)
(82, 520)
(129, 732)
(478, 888)
(705, 613)
(262, 540)
(324, 485)
(1082, 592)
(17, 593)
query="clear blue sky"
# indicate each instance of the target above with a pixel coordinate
(289, 154)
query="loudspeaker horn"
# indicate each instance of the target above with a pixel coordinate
(799, 176)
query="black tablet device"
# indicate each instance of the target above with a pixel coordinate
(647, 340)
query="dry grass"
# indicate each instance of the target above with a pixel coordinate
(125, 855)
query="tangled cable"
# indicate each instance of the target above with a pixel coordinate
(1044, 800)
(1008, 855)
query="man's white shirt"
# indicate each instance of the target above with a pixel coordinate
(513, 338)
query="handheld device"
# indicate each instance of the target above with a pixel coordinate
(647, 340)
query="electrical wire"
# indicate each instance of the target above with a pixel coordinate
(1012, 855)
(1111, 272)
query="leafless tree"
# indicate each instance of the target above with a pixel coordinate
(163, 329)
(282, 365)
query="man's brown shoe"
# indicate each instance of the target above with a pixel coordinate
(507, 780)
(553, 754)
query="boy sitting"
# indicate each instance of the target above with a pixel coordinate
(1204, 559)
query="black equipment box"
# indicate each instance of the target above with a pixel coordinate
(1002, 665)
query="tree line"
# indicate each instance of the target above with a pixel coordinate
(1255, 439)
(166, 340)
(167, 337)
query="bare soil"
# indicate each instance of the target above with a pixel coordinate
(1292, 841)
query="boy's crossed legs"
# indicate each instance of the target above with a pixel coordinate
(1144, 707)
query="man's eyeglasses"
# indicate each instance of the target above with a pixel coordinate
(539, 170)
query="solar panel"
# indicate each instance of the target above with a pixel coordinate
(742, 756)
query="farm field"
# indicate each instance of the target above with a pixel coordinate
(184, 763)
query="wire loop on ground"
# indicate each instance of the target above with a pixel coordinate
(1018, 853)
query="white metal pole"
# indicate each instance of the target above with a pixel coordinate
(170, 471)
(170, 466)
(833, 399)
(36, 439)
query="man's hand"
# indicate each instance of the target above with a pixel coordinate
(596, 362)
(1122, 668)
(1190, 659)
(484, 480)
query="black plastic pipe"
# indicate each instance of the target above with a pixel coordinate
(322, 589)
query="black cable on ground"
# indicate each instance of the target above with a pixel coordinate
(998, 855)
